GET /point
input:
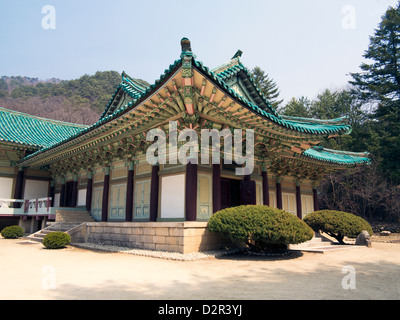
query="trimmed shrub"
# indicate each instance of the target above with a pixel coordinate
(56, 240)
(12, 232)
(260, 227)
(337, 224)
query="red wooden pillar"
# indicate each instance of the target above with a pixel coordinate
(74, 196)
(298, 202)
(62, 194)
(279, 194)
(51, 193)
(191, 192)
(106, 191)
(216, 192)
(315, 198)
(19, 187)
(154, 193)
(89, 192)
(129, 194)
(265, 187)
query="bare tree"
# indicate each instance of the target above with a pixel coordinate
(363, 191)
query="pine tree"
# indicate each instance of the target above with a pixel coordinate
(267, 86)
(297, 108)
(379, 83)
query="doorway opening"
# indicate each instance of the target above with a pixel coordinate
(230, 193)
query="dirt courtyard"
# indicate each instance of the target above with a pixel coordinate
(28, 271)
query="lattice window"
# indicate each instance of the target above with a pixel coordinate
(289, 202)
(117, 202)
(142, 199)
(97, 199)
(204, 197)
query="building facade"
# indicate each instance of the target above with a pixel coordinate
(105, 169)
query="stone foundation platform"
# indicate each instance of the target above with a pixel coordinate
(182, 237)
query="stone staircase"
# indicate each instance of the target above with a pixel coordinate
(319, 244)
(52, 226)
(73, 216)
(66, 219)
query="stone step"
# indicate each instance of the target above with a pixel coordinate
(32, 238)
(77, 216)
(53, 226)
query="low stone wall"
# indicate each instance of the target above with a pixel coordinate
(182, 237)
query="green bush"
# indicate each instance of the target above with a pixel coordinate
(12, 232)
(56, 240)
(337, 224)
(260, 227)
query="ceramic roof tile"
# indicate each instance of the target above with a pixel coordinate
(337, 157)
(24, 129)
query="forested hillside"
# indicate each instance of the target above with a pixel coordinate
(80, 101)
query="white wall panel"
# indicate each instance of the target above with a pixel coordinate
(173, 196)
(6, 191)
(36, 189)
(81, 197)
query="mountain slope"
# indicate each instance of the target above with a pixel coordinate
(79, 101)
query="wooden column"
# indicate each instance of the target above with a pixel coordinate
(279, 194)
(106, 191)
(191, 192)
(89, 192)
(154, 193)
(315, 198)
(19, 187)
(74, 196)
(129, 194)
(216, 185)
(298, 201)
(265, 187)
(52, 192)
(62, 195)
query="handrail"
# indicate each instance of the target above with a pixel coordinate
(29, 205)
(37, 203)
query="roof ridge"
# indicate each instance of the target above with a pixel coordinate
(233, 67)
(227, 65)
(133, 81)
(19, 113)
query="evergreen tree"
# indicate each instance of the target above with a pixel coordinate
(297, 108)
(267, 86)
(379, 83)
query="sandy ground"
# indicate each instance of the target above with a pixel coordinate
(28, 271)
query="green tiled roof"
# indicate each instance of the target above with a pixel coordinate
(24, 129)
(337, 157)
(129, 85)
(311, 126)
(139, 93)
(232, 69)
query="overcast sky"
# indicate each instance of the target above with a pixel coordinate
(304, 45)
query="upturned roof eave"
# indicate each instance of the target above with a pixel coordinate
(337, 157)
(331, 128)
(173, 68)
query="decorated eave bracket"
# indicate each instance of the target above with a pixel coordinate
(191, 105)
(187, 76)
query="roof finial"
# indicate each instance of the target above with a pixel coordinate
(185, 44)
(237, 54)
(186, 48)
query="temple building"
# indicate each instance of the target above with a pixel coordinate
(103, 169)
